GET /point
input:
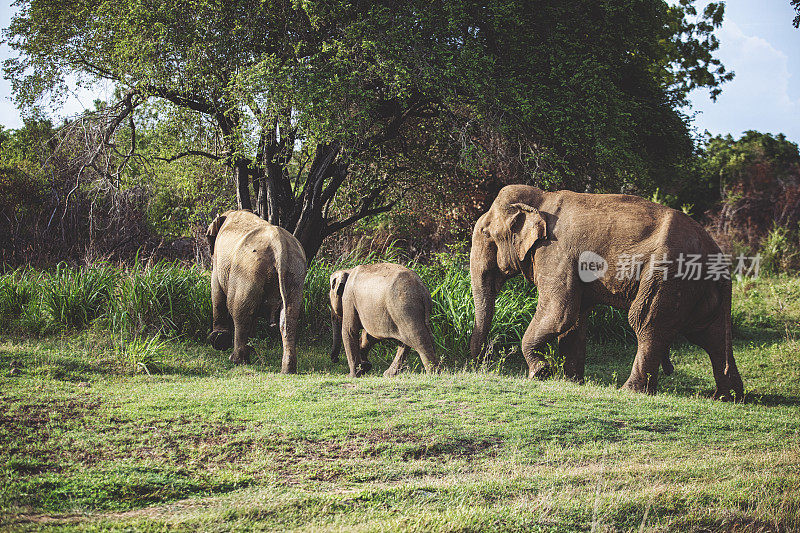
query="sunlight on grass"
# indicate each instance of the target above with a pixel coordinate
(90, 439)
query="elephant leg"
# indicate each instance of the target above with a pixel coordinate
(572, 347)
(556, 313)
(243, 302)
(221, 337)
(666, 365)
(421, 340)
(291, 292)
(654, 318)
(399, 361)
(289, 319)
(351, 326)
(242, 326)
(726, 375)
(367, 342)
(650, 353)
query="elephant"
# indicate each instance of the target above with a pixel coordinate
(257, 270)
(576, 248)
(388, 301)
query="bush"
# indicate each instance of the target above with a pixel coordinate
(780, 251)
(17, 289)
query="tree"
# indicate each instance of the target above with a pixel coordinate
(796, 5)
(758, 179)
(328, 112)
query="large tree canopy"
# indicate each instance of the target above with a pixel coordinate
(328, 111)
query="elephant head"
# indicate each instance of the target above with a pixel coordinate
(502, 244)
(338, 280)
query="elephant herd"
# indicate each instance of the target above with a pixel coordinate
(580, 249)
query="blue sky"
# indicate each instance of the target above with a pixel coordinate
(758, 42)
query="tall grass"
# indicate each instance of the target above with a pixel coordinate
(162, 298)
(17, 288)
(168, 300)
(73, 298)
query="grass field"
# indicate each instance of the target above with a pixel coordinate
(136, 432)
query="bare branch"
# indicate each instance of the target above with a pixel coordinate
(187, 153)
(365, 210)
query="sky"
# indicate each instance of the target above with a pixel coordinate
(757, 42)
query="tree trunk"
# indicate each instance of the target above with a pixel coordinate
(241, 175)
(311, 230)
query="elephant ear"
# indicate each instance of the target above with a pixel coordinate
(213, 229)
(341, 282)
(527, 227)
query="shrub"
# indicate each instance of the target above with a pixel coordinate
(780, 251)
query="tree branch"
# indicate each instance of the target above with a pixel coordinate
(365, 210)
(191, 152)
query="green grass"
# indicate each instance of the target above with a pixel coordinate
(90, 440)
(114, 417)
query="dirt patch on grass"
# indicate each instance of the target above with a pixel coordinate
(377, 443)
(55, 435)
(188, 440)
(30, 432)
(330, 460)
(153, 512)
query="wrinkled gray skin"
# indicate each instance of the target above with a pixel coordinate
(257, 270)
(541, 235)
(389, 302)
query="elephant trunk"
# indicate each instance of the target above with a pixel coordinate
(336, 327)
(484, 292)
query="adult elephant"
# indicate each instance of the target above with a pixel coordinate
(543, 235)
(257, 269)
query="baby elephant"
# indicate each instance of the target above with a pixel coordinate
(389, 302)
(257, 270)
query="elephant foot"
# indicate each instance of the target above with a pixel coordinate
(539, 370)
(241, 356)
(728, 396)
(640, 387)
(363, 368)
(220, 339)
(391, 372)
(575, 378)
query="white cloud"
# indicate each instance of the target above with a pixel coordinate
(758, 98)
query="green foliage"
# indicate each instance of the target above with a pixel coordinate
(757, 179)
(780, 251)
(162, 298)
(583, 94)
(141, 352)
(24, 177)
(731, 162)
(17, 288)
(73, 298)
